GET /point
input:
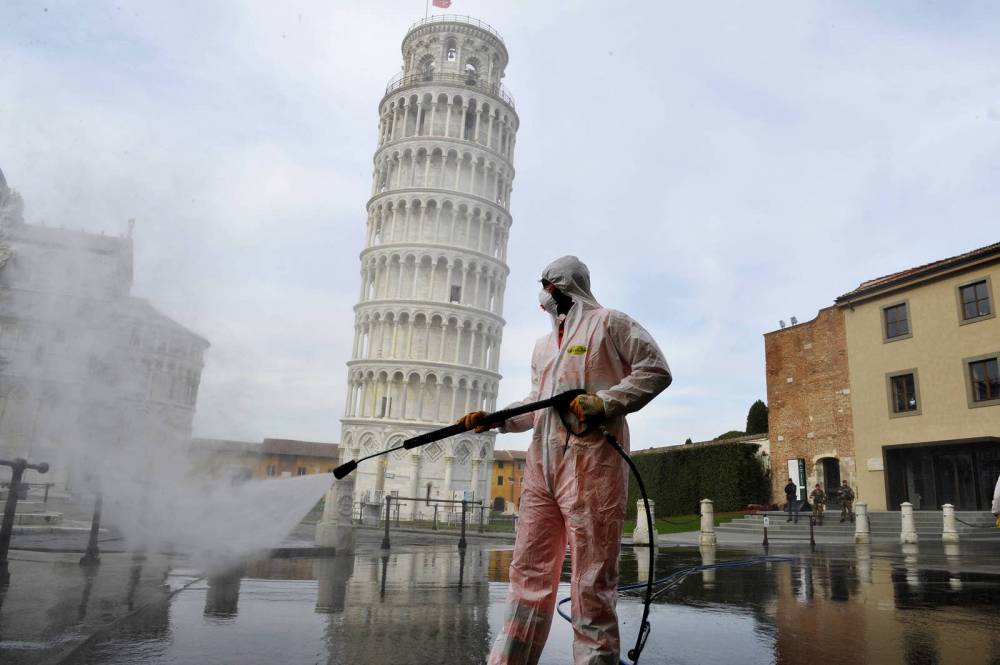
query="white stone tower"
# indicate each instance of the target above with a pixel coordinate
(428, 323)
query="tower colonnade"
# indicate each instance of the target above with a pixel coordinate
(419, 273)
(429, 165)
(418, 334)
(435, 218)
(437, 113)
(429, 319)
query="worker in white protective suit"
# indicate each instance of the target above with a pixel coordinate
(574, 487)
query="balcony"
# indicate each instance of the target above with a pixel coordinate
(466, 79)
(456, 18)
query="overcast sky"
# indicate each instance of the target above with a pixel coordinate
(719, 166)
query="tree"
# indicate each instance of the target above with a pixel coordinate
(757, 418)
(731, 434)
(688, 441)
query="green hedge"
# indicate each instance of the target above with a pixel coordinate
(728, 473)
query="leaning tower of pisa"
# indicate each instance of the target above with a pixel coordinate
(428, 321)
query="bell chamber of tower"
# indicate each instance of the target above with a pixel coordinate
(428, 322)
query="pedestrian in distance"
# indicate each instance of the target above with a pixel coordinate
(846, 495)
(792, 501)
(818, 500)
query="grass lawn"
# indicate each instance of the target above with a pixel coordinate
(680, 523)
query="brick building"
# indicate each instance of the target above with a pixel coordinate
(809, 404)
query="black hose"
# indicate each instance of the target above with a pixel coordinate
(640, 640)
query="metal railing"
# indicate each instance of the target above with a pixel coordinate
(456, 18)
(25, 487)
(440, 515)
(466, 79)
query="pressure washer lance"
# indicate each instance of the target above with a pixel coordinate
(560, 402)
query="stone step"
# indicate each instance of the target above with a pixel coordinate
(28, 506)
(38, 519)
(50, 529)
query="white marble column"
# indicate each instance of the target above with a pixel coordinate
(449, 463)
(475, 478)
(415, 485)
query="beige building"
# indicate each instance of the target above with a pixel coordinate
(507, 480)
(271, 458)
(922, 354)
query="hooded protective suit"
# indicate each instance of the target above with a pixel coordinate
(574, 487)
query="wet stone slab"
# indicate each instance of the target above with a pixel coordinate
(424, 603)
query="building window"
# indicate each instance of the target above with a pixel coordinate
(903, 397)
(452, 53)
(499, 480)
(499, 465)
(301, 471)
(975, 301)
(272, 470)
(456, 294)
(984, 381)
(896, 319)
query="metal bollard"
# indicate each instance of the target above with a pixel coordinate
(92, 556)
(482, 509)
(388, 518)
(17, 468)
(461, 540)
(812, 536)
(767, 522)
(949, 531)
(434, 526)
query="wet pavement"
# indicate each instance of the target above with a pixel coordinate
(421, 602)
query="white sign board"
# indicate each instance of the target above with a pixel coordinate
(797, 472)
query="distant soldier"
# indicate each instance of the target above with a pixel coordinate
(818, 499)
(846, 502)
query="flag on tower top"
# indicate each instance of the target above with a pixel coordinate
(443, 4)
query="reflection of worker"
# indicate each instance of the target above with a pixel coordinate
(574, 487)
(818, 499)
(846, 502)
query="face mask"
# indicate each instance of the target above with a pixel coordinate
(548, 303)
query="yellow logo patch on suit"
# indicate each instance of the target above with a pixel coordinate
(576, 350)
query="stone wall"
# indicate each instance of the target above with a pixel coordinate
(808, 398)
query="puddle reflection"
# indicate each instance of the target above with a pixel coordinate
(428, 605)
